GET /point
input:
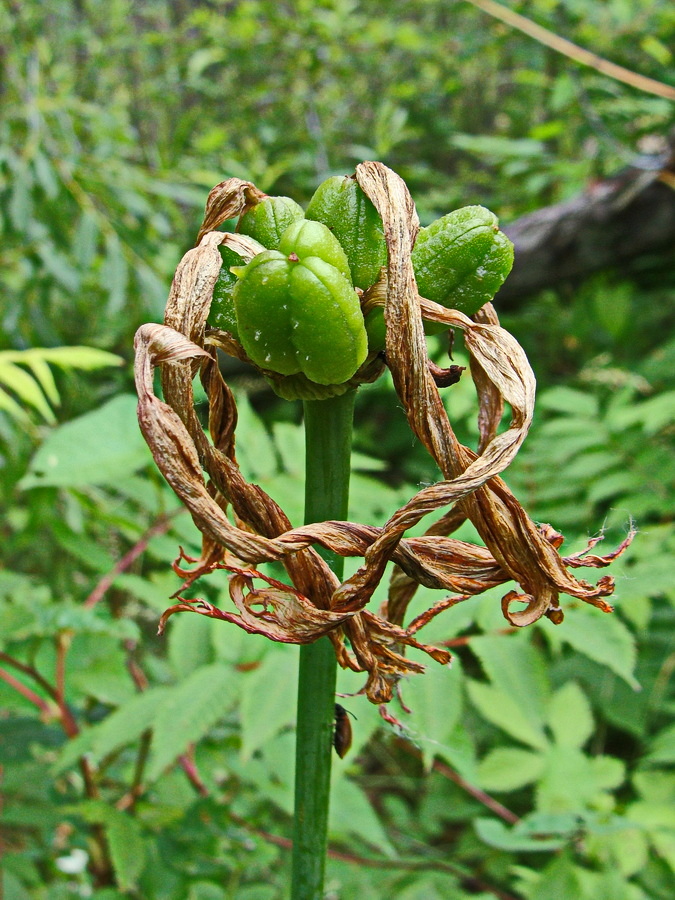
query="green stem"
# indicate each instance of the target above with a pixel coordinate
(328, 432)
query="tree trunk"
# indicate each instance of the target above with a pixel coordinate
(612, 224)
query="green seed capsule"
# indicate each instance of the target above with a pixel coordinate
(462, 260)
(307, 238)
(376, 330)
(300, 315)
(222, 314)
(340, 204)
(267, 220)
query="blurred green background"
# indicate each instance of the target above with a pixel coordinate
(541, 764)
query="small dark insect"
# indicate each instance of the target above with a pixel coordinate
(342, 733)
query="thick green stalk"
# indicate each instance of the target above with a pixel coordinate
(328, 432)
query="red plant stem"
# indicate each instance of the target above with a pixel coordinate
(160, 526)
(69, 724)
(188, 765)
(467, 638)
(493, 805)
(29, 670)
(26, 692)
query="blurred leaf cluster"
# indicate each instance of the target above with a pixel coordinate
(541, 764)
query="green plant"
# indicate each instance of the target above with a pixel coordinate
(298, 313)
(267, 220)
(340, 204)
(195, 785)
(318, 604)
(462, 259)
(37, 388)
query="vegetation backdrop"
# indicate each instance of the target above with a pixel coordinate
(541, 764)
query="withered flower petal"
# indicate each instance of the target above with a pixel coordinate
(242, 526)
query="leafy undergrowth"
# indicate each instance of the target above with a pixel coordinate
(539, 764)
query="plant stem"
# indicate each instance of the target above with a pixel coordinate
(328, 432)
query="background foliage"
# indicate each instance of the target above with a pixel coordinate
(540, 765)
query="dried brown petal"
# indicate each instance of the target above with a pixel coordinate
(242, 526)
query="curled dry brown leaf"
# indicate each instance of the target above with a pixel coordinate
(242, 526)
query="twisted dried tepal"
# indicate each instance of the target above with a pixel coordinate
(242, 526)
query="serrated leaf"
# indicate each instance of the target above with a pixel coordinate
(188, 712)
(559, 880)
(435, 699)
(189, 641)
(506, 712)
(573, 781)
(90, 553)
(569, 716)
(496, 834)
(569, 400)
(96, 448)
(509, 768)
(268, 699)
(352, 814)
(128, 849)
(121, 727)
(604, 638)
(128, 846)
(515, 667)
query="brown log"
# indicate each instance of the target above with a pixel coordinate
(611, 225)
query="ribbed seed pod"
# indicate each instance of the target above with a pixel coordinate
(267, 220)
(340, 204)
(297, 312)
(462, 259)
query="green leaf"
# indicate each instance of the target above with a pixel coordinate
(268, 699)
(89, 552)
(26, 388)
(602, 637)
(255, 449)
(11, 407)
(509, 768)
(11, 888)
(96, 448)
(506, 712)
(121, 727)
(188, 712)
(435, 699)
(496, 834)
(517, 669)
(189, 640)
(567, 400)
(352, 814)
(570, 717)
(558, 880)
(42, 374)
(662, 748)
(128, 849)
(127, 844)
(84, 358)
(206, 890)
(572, 781)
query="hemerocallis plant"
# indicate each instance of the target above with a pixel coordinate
(320, 304)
